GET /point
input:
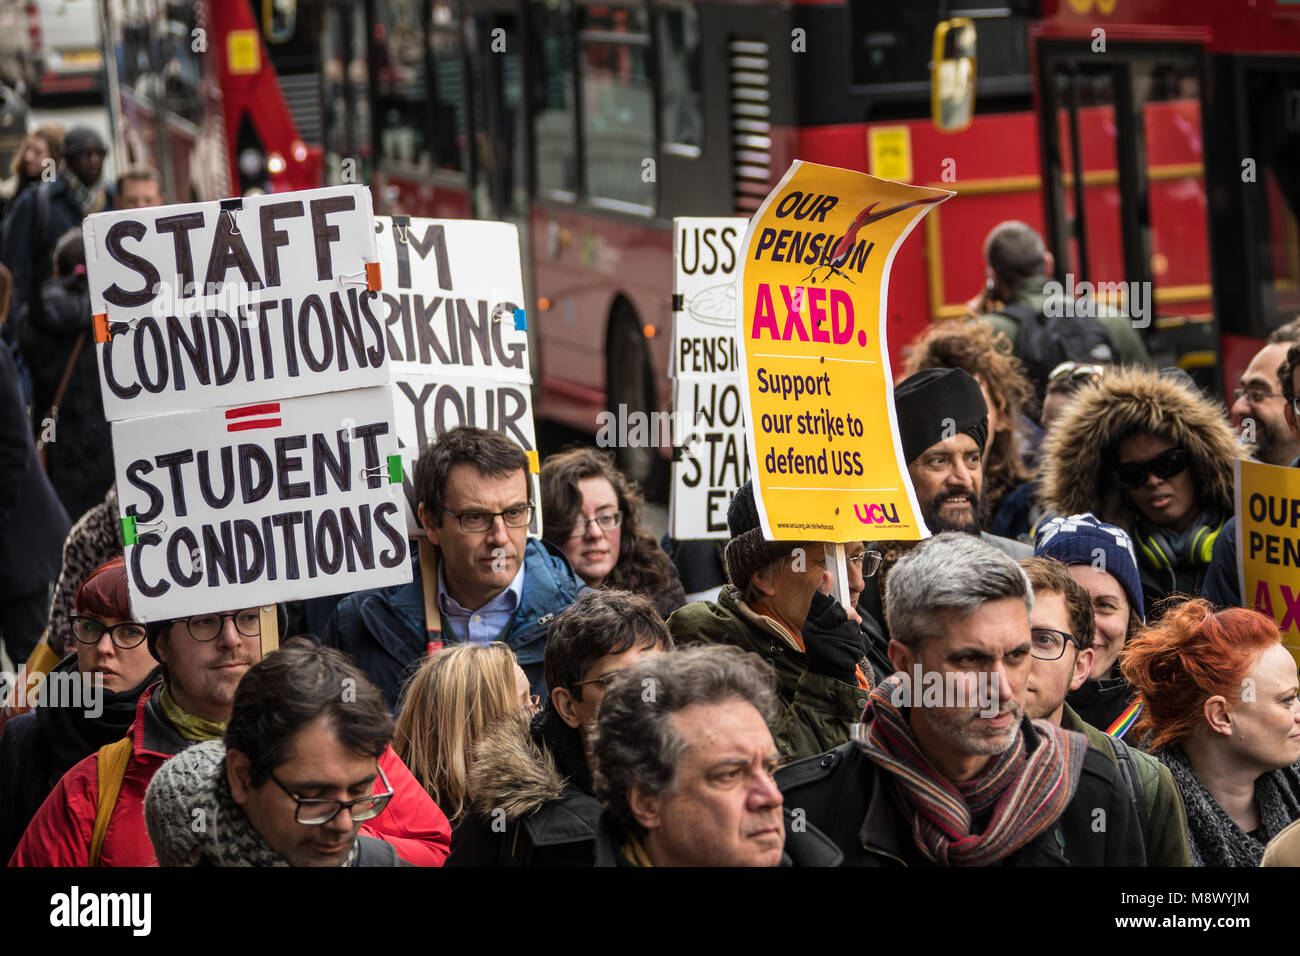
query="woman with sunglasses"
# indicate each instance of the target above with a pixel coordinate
(114, 666)
(1148, 452)
(593, 512)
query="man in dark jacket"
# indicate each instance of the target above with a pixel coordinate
(533, 801)
(776, 608)
(945, 769)
(290, 732)
(33, 523)
(41, 215)
(492, 583)
(684, 762)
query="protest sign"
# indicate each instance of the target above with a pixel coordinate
(202, 305)
(452, 311)
(257, 504)
(709, 461)
(821, 427)
(1268, 544)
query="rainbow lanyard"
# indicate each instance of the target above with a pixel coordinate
(1125, 720)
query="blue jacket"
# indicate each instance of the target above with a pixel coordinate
(383, 629)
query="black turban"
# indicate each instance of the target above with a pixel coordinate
(935, 404)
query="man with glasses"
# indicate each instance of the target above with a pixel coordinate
(204, 657)
(1259, 403)
(779, 607)
(492, 582)
(300, 770)
(1061, 634)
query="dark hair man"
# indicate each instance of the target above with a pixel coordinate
(684, 762)
(1259, 404)
(294, 779)
(945, 768)
(534, 803)
(139, 187)
(41, 215)
(1221, 586)
(493, 584)
(203, 658)
(777, 607)
(1018, 271)
(1061, 627)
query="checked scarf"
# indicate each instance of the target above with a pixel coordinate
(1022, 791)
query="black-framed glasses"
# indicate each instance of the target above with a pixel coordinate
(206, 627)
(606, 522)
(1256, 396)
(318, 811)
(88, 630)
(476, 522)
(1165, 465)
(603, 680)
(1048, 644)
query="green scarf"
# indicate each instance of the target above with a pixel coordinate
(187, 725)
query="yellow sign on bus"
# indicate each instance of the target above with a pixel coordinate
(243, 52)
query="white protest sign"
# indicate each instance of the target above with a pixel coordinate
(453, 315)
(257, 504)
(708, 402)
(202, 305)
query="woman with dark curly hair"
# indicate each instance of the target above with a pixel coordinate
(593, 511)
(1009, 396)
(1220, 711)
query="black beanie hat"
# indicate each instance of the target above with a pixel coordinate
(80, 139)
(935, 404)
(748, 550)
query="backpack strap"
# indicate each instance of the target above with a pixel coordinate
(1128, 769)
(110, 762)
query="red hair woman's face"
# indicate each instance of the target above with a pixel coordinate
(1265, 721)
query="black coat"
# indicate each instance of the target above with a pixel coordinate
(79, 459)
(33, 523)
(27, 255)
(842, 792)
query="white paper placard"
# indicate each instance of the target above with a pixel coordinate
(262, 503)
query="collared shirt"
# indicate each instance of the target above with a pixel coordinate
(485, 624)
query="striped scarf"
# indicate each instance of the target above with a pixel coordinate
(1023, 790)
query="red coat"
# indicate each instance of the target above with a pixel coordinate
(59, 834)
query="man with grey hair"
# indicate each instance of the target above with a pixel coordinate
(684, 763)
(945, 769)
(1018, 272)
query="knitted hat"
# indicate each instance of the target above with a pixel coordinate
(154, 629)
(1082, 539)
(80, 139)
(748, 550)
(935, 404)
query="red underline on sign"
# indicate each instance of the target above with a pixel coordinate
(247, 410)
(256, 423)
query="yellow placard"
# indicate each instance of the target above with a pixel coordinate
(1268, 545)
(824, 453)
(890, 148)
(243, 52)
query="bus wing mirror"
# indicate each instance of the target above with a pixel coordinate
(952, 75)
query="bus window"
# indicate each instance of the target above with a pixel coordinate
(345, 95)
(679, 80)
(448, 89)
(618, 108)
(1272, 191)
(555, 114)
(401, 93)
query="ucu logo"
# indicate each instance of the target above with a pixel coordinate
(876, 514)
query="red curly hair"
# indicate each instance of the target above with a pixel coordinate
(1193, 654)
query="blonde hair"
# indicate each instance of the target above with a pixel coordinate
(454, 697)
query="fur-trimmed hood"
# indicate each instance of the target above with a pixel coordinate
(1079, 452)
(511, 772)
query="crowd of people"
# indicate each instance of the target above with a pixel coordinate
(1067, 647)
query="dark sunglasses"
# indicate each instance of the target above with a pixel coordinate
(1165, 465)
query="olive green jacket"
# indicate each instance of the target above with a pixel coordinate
(817, 712)
(1165, 828)
(1129, 348)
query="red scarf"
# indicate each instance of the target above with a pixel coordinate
(1023, 790)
